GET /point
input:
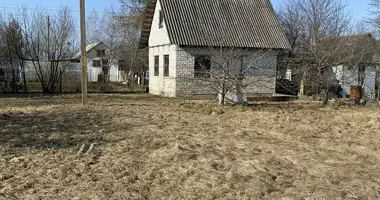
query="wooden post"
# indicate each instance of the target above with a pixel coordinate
(83, 50)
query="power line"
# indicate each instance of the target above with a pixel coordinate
(76, 9)
(9, 8)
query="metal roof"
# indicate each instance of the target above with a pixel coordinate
(88, 48)
(237, 23)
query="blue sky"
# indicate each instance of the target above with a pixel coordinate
(357, 7)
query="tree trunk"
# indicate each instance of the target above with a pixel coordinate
(60, 83)
(326, 97)
(222, 95)
(14, 89)
(302, 85)
(24, 79)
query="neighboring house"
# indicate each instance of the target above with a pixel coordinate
(179, 34)
(364, 75)
(98, 61)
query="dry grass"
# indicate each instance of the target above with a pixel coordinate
(152, 148)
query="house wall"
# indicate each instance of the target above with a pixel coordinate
(349, 77)
(260, 76)
(94, 72)
(346, 78)
(115, 74)
(370, 81)
(159, 45)
(158, 36)
(160, 85)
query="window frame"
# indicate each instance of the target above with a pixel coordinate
(202, 73)
(156, 70)
(160, 19)
(96, 61)
(166, 65)
(101, 54)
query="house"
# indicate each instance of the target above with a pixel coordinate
(364, 75)
(180, 33)
(98, 63)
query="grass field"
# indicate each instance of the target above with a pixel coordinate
(147, 147)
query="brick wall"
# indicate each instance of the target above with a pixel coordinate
(260, 69)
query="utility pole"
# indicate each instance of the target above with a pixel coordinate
(48, 19)
(83, 50)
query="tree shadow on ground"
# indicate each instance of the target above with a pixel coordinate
(57, 128)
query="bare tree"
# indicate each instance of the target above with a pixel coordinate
(119, 30)
(374, 21)
(47, 42)
(137, 6)
(129, 26)
(315, 30)
(92, 27)
(232, 72)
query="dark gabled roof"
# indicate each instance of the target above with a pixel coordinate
(237, 23)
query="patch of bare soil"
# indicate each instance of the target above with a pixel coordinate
(144, 147)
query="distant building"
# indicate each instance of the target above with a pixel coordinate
(98, 61)
(364, 75)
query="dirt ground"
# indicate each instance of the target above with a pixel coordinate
(146, 147)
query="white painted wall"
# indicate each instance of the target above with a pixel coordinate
(115, 73)
(160, 85)
(370, 80)
(159, 45)
(346, 77)
(158, 36)
(350, 77)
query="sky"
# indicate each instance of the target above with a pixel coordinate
(358, 8)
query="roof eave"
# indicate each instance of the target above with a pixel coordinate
(147, 23)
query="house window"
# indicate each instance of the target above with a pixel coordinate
(166, 65)
(96, 63)
(156, 66)
(161, 20)
(202, 67)
(100, 53)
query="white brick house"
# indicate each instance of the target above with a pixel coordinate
(180, 33)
